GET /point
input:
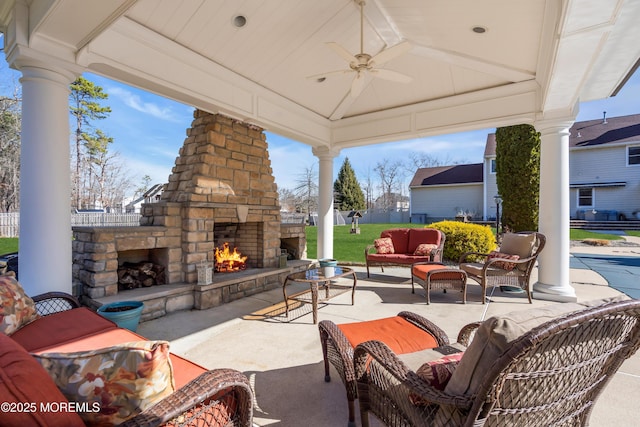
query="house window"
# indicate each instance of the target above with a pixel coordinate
(633, 155)
(585, 197)
(492, 166)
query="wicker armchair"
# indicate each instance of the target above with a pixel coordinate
(491, 271)
(548, 376)
(337, 349)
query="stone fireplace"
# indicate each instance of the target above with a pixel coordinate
(221, 189)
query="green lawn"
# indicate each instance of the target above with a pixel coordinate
(8, 245)
(350, 247)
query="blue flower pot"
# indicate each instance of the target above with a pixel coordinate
(127, 319)
(327, 262)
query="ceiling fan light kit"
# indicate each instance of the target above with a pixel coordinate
(364, 64)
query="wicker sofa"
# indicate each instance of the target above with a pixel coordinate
(404, 247)
(538, 367)
(197, 396)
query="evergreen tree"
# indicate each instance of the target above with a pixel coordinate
(85, 107)
(347, 192)
(518, 176)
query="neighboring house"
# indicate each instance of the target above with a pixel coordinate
(604, 176)
(446, 191)
(152, 195)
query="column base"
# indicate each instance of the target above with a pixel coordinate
(542, 291)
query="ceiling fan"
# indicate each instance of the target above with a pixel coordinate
(363, 64)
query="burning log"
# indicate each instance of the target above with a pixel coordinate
(227, 261)
(139, 275)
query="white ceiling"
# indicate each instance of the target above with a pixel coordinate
(537, 58)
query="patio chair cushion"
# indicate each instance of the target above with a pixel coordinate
(384, 245)
(16, 308)
(417, 236)
(503, 264)
(438, 372)
(424, 249)
(496, 333)
(400, 238)
(49, 332)
(518, 244)
(24, 383)
(115, 383)
(397, 333)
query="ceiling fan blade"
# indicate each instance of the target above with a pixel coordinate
(329, 73)
(344, 53)
(357, 85)
(393, 76)
(390, 53)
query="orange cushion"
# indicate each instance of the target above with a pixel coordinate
(61, 327)
(397, 333)
(183, 370)
(422, 270)
(24, 382)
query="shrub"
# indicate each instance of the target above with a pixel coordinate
(464, 237)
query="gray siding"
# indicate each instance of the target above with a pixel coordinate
(601, 165)
(447, 200)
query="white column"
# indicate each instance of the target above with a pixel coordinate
(554, 283)
(325, 201)
(45, 189)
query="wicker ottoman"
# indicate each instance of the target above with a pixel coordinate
(435, 275)
(405, 333)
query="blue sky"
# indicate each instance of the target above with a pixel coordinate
(148, 131)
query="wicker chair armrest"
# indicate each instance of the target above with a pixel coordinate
(426, 325)
(329, 330)
(190, 403)
(369, 249)
(467, 332)
(54, 302)
(375, 355)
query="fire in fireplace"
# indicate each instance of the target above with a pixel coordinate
(228, 261)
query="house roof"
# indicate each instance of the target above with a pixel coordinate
(592, 133)
(441, 175)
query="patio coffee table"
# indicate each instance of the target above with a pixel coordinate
(322, 278)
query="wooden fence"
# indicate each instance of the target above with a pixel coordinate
(10, 222)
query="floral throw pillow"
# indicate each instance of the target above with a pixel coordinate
(437, 373)
(16, 308)
(425, 249)
(503, 264)
(115, 383)
(384, 245)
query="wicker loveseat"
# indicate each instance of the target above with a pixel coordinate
(537, 367)
(196, 396)
(404, 247)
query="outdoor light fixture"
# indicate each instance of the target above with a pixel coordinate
(498, 201)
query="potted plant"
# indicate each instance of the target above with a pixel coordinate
(126, 314)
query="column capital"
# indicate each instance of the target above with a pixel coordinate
(325, 152)
(555, 121)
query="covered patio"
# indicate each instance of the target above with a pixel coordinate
(282, 357)
(457, 67)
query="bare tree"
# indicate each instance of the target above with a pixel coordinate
(390, 174)
(10, 125)
(306, 189)
(288, 200)
(368, 188)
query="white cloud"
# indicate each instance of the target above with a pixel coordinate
(134, 101)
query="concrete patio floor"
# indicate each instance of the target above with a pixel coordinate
(283, 360)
